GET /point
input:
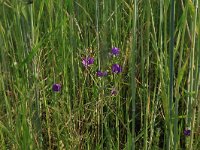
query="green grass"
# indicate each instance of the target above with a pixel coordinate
(158, 90)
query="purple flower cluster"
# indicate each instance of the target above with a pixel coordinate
(116, 68)
(88, 61)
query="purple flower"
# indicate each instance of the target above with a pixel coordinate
(101, 74)
(87, 61)
(187, 132)
(116, 68)
(56, 87)
(113, 92)
(115, 51)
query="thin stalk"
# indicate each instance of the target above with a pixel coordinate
(36, 90)
(171, 67)
(116, 32)
(99, 66)
(192, 77)
(133, 82)
(146, 98)
(142, 70)
(105, 8)
(116, 38)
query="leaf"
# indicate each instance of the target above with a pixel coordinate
(181, 73)
(191, 8)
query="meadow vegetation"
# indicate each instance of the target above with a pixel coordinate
(99, 74)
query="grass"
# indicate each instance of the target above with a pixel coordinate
(157, 93)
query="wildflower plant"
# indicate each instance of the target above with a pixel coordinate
(187, 132)
(116, 68)
(113, 92)
(113, 72)
(102, 73)
(115, 51)
(87, 61)
(56, 87)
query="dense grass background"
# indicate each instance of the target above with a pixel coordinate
(43, 42)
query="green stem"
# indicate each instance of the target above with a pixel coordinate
(133, 82)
